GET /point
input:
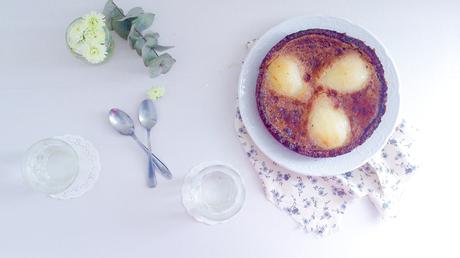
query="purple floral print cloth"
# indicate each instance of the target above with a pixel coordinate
(318, 203)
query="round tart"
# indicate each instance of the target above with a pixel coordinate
(321, 93)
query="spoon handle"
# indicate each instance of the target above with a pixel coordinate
(152, 179)
(164, 171)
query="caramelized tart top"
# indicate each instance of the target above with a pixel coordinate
(321, 93)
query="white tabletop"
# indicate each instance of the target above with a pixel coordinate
(46, 92)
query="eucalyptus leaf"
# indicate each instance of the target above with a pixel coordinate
(123, 27)
(131, 42)
(161, 48)
(155, 70)
(111, 9)
(143, 21)
(133, 36)
(108, 7)
(109, 21)
(148, 51)
(148, 54)
(112, 12)
(161, 65)
(151, 42)
(138, 45)
(152, 35)
(136, 40)
(135, 12)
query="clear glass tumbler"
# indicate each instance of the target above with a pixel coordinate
(213, 192)
(50, 166)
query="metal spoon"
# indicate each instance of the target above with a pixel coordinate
(125, 126)
(148, 119)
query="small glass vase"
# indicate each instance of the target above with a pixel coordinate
(108, 43)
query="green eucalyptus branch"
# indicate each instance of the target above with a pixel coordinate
(131, 27)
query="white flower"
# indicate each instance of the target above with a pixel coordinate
(94, 20)
(76, 46)
(94, 53)
(76, 30)
(156, 93)
(95, 36)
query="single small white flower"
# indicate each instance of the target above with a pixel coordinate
(94, 53)
(95, 36)
(94, 20)
(156, 93)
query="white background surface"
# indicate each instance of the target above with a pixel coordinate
(44, 91)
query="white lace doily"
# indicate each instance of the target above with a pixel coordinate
(89, 167)
(318, 203)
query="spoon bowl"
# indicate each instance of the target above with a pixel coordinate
(147, 114)
(121, 122)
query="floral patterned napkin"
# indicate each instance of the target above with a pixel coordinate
(318, 203)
